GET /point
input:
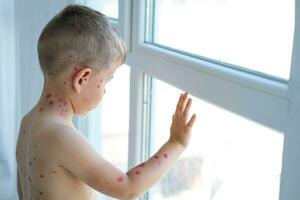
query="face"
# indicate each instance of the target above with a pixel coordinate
(90, 88)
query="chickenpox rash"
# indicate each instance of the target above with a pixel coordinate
(50, 103)
(65, 82)
(156, 157)
(41, 109)
(137, 172)
(42, 176)
(165, 155)
(142, 165)
(120, 179)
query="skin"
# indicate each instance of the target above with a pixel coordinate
(56, 162)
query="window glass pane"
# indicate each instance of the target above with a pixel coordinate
(114, 120)
(109, 8)
(229, 157)
(254, 34)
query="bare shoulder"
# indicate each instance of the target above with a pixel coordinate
(66, 144)
(62, 136)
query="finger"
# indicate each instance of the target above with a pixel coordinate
(187, 107)
(183, 102)
(192, 121)
(179, 101)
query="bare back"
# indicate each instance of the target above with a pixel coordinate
(39, 174)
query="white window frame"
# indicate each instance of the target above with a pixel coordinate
(272, 103)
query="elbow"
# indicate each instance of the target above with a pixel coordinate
(131, 192)
(130, 196)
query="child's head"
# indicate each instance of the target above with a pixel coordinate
(80, 50)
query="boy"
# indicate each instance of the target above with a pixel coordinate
(79, 52)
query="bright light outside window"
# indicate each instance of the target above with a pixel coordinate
(115, 120)
(109, 8)
(254, 34)
(229, 157)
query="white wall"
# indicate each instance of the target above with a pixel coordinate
(20, 76)
(7, 100)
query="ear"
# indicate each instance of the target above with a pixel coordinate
(80, 78)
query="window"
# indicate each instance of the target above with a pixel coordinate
(115, 110)
(109, 8)
(112, 118)
(254, 34)
(229, 157)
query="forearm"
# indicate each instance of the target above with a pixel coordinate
(145, 175)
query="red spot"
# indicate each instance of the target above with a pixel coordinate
(61, 114)
(65, 103)
(84, 79)
(41, 109)
(55, 95)
(71, 55)
(35, 146)
(159, 163)
(30, 163)
(59, 106)
(65, 82)
(75, 69)
(42, 176)
(23, 132)
(142, 165)
(101, 80)
(48, 96)
(41, 193)
(165, 155)
(156, 157)
(98, 86)
(137, 172)
(120, 178)
(50, 103)
(60, 100)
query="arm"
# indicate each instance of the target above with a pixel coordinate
(76, 154)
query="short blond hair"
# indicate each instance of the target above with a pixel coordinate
(79, 35)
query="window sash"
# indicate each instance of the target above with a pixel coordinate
(270, 102)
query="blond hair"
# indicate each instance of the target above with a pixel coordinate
(79, 35)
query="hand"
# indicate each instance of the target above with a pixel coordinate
(181, 127)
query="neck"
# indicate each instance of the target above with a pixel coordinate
(56, 103)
